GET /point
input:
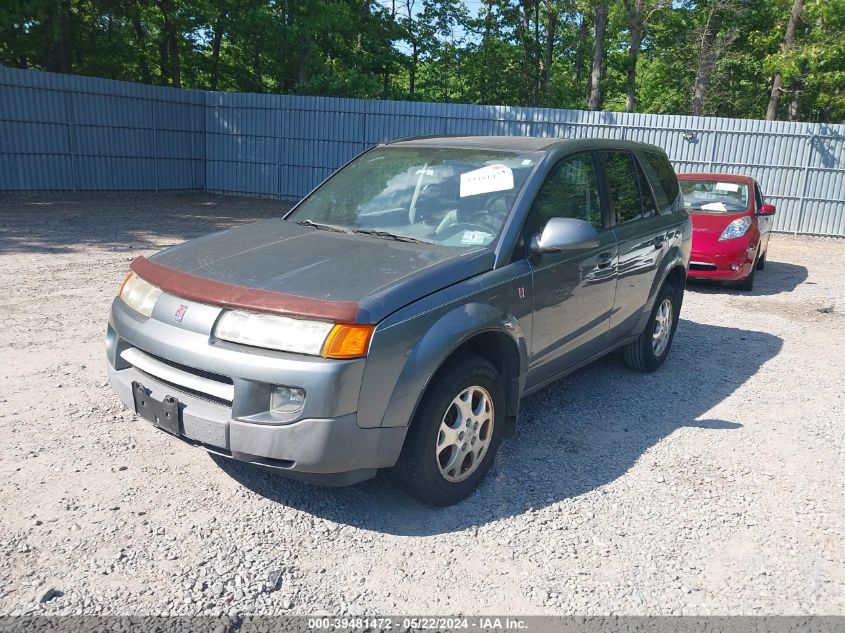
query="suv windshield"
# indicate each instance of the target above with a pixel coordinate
(714, 196)
(448, 196)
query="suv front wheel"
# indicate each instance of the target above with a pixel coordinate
(455, 434)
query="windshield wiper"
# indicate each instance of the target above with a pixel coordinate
(711, 211)
(393, 236)
(326, 227)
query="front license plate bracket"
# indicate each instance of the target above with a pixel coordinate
(164, 414)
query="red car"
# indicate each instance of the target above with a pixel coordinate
(731, 225)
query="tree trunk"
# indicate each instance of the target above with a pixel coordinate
(412, 73)
(594, 102)
(484, 83)
(444, 75)
(793, 110)
(826, 113)
(171, 42)
(634, 13)
(788, 42)
(706, 59)
(583, 28)
(537, 56)
(59, 38)
(551, 28)
(216, 42)
(140, 45)
(164, 62)
(527, 56)
(385, 90)
(302, 75)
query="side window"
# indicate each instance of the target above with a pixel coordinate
(663, 179)
(570, 191)
(623, 186)
(758, 196)
(649, 206)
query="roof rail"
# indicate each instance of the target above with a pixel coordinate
(423, 136)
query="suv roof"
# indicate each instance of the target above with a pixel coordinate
(519, 143)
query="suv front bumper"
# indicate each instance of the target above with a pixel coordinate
(325, 443)
(332, 451)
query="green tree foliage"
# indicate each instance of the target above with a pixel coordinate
(715, 57)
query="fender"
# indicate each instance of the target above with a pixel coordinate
(678, 255)
(396, 388)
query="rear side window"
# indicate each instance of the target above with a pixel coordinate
(663, 179)
(649, 206)
(623, 186)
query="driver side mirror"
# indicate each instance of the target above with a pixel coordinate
(767, 209)
(565, 234)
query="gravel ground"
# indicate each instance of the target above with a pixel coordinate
(714, 486)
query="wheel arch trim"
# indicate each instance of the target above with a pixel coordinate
(450, 334)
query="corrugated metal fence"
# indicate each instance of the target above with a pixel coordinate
(61, 132)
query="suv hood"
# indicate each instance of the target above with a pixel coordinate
(283, 267)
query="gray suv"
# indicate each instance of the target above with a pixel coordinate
(395, 317)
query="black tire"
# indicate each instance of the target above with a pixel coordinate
(761, 263)
(418, 472)
(747, 284)
(640, 354)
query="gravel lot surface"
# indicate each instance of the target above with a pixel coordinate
(714, 486)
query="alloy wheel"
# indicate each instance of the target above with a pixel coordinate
(662, 327)
(465, 433)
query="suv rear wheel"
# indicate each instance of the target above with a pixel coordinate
(649, 351)
(455, 434)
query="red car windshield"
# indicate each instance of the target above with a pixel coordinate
(714, 196)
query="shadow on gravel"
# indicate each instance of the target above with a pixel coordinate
(70, 222)
(574, 437)
(776, 278)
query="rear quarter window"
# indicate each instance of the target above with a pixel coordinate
(663, 180)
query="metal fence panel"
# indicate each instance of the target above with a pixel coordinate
(68, 132)
(82, 133)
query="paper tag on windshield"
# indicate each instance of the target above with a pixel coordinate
(474, 237)
(727, 186)
(714, 206)
(486, 180)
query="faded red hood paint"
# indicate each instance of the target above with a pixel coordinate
(284, 268)
(205, 290)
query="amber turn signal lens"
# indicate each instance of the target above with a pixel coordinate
(125, 279)
(348, 341)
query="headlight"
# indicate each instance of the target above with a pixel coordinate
(139, 294)
(737, 228)
(299, 336)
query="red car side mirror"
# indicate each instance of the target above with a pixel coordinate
(767, 209)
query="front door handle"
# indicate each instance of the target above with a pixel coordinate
(605, 259)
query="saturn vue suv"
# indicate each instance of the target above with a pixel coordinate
(394, 318)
